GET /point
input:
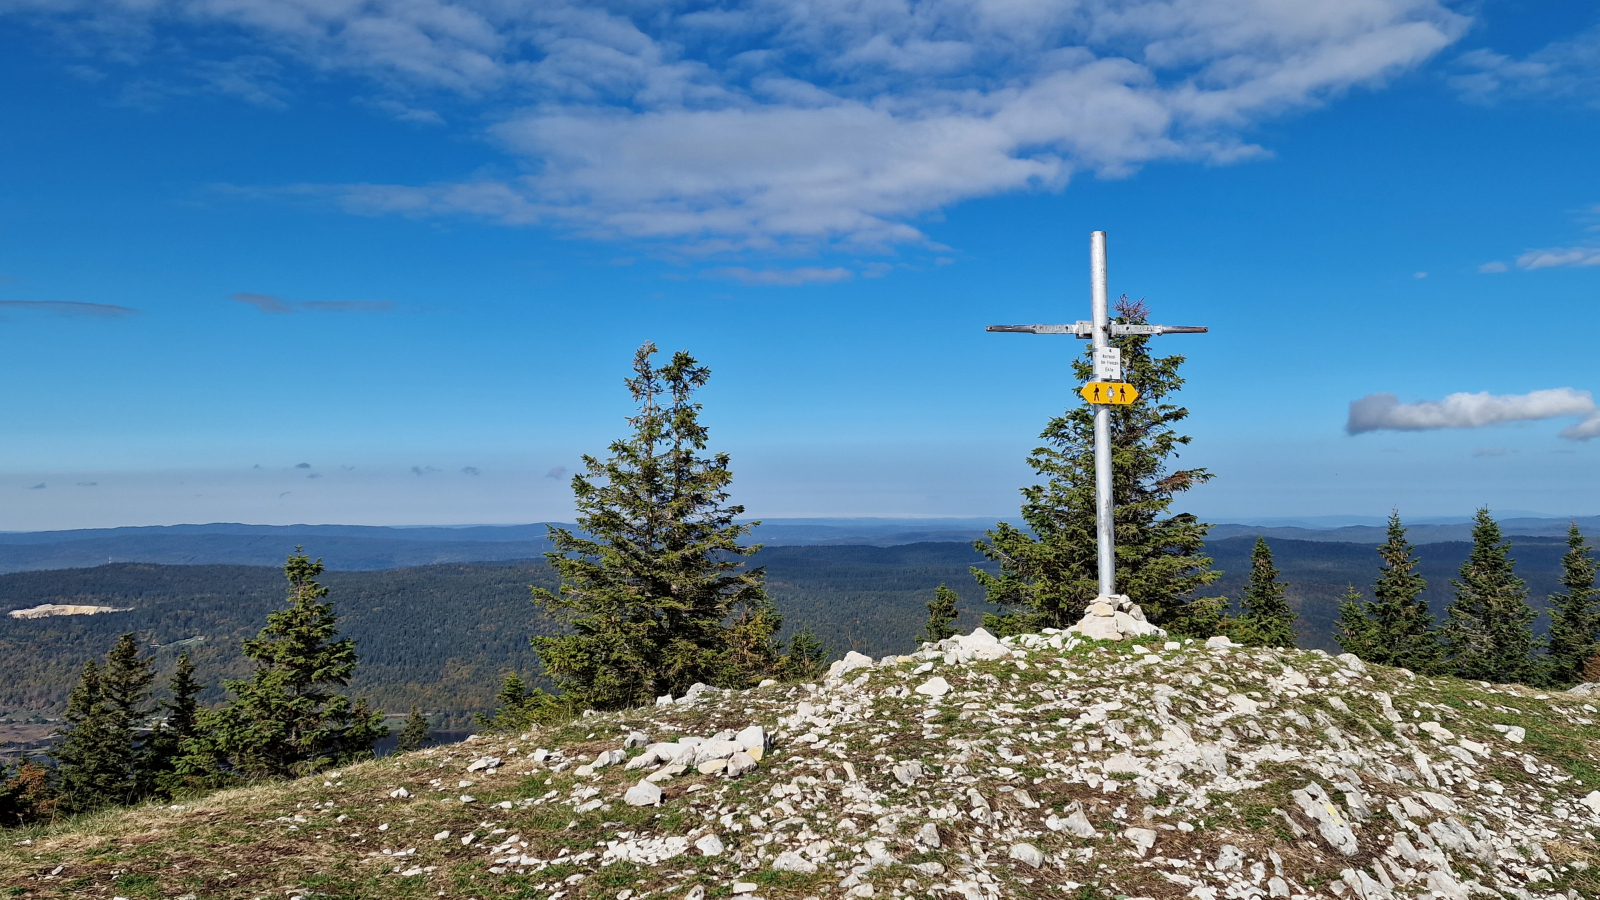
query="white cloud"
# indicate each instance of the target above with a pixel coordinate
(1567, 68)
(1385, 412)
(1559, 256)
(799, 123)
(1492, 267)
(784, 277)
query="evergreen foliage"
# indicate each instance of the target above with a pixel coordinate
(288, 719)
(100, 760)
(654, 590)
(180, 724)
(806, 658)
(1048, 571)
(414, 733)
(1265, 618)
(1353, 630)
(1396, 628)
(942, 615)
(517, 707)
(1488, 630)
(1574, 614)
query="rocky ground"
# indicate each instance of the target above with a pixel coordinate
(1043, 766)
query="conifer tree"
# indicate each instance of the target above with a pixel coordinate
(414, 733)
(1353, 630)
(654, 590)
(99, 760)
(1488, 630)
(288, 719)
(182, 709)
(1574, 613)
(942, 615)
(1048, 570)
(1265, 617)
(806, 658)
(1398, 629)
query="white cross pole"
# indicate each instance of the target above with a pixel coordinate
(1107, 367)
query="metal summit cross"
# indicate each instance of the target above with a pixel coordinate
(1105, 391)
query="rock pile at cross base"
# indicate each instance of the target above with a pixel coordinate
(1039, 766)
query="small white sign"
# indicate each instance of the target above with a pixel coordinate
(1108, 364)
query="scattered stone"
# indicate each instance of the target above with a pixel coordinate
(487, 762)
(929, 835)
(790, 861)
(1029, 855)
(1142, 839)
(710, 845)
(643, 794)
(934, 687)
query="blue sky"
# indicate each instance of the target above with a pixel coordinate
(411, 245)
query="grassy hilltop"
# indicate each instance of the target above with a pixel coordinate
(1060, 768)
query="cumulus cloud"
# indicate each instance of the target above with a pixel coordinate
(70, 308)
(277, 306)
(302, 465)
(757, 124)
(1385, 412)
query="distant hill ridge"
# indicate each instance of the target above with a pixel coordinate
(367, 547)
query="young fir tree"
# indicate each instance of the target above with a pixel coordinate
(806, 657)
(1265, 618)
(1048, 571)
(413, 734)
(1574, 613)
(100, 761)
(1488, 630)
(288, 718)
(181, 723)
(1353, 630)
(1396, 628)
(654, 590)
(942, 615)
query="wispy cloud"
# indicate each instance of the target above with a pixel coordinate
(1559, 256)
(1568, 68)
(556, 472)
(38, 487)
(277, 306)
(70, 308)
(781, 277)
(1385, 412)
(760, 124)
(471, 470)
(1492, 267)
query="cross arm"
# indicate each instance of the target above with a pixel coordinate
(1086, 329)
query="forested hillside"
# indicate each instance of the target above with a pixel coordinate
(441, 636)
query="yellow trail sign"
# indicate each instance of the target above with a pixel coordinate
(1114, 393)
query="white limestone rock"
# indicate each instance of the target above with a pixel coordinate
(643, 794)
(1028, 855)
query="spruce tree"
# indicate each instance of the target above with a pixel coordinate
(806, 657)
(942, 614)
(180, 724)
(99, 760)
(1574, 613)
(1048, 570)
(1399, 628)
(414, 733)
(1353, 630)
(1265, 617)
(654, 591)
(288, 719)
(1488, 630)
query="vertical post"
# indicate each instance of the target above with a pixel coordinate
(1104, 531)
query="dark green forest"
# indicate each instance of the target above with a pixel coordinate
(441, 636)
